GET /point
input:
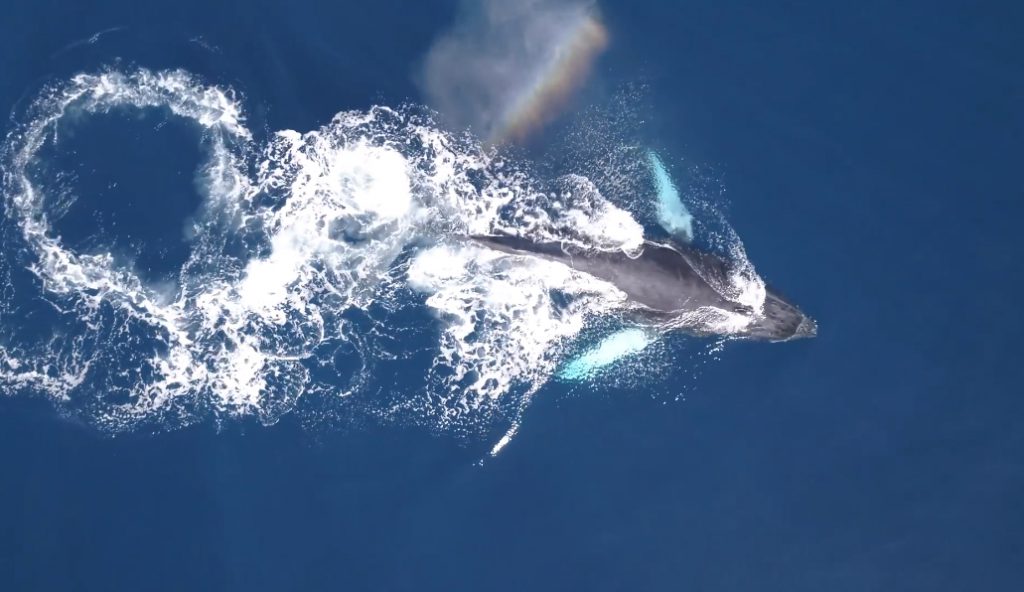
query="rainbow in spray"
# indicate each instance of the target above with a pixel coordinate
(555, 80)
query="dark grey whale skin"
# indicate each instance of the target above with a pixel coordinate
(666, 281)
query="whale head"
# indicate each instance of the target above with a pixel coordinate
(780, 320)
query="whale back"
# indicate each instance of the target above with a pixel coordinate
(667, 281)
(662, 278)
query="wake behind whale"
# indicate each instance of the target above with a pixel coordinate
(322, 267)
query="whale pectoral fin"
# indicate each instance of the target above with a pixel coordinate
(672, 213)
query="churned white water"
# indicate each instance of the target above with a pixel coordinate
(301, 242)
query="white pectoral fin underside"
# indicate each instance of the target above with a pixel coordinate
(673, 215)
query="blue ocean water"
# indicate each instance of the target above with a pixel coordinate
(869, 159)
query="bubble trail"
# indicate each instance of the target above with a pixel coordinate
(313, 256)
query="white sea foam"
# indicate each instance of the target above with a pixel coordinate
(365, 212)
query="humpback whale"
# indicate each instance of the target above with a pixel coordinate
(667, 282)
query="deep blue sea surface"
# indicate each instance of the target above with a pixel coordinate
(867, 154)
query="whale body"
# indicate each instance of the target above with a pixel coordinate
(668, 281)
